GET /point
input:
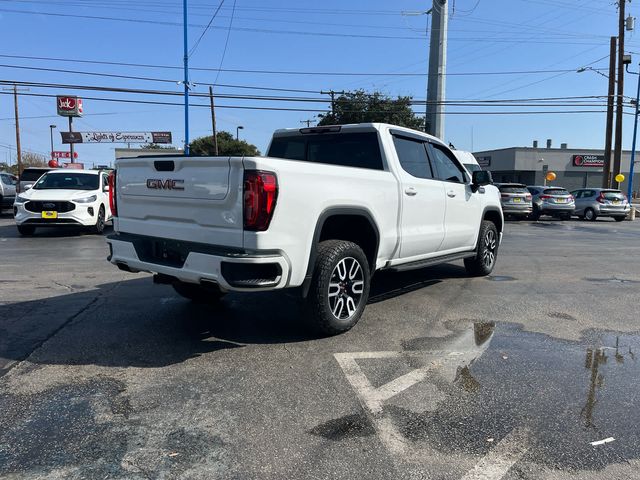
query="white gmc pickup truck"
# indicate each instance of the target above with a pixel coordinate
(322, 212)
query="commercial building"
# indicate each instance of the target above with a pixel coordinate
(574, 167)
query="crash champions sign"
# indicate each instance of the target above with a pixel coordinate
(116, 137)
(596, 161)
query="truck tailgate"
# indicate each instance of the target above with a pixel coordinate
(196, 199)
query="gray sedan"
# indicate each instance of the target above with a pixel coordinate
(592, 203)
(553, 201)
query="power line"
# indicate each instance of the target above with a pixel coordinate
(243, 107)
(273, 72)
(226, 42)
(195, 46)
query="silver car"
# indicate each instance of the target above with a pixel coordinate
(8, 184)
(553, 201)
(592, 203)
(516, 199)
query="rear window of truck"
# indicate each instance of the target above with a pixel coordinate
(360, 150)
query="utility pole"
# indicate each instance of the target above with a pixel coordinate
(71, 147)
(17, 117)
(186, 78)
(606, 172)
(434, 120)
(17, 121)
(617, 154)
(213, 122)
(308, 122)
(333, 99)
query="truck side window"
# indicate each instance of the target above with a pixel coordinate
(413, 157)
(447, 168)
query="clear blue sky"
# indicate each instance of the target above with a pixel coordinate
(358, 36)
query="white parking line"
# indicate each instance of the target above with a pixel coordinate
(501, 458)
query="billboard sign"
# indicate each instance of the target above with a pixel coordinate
(69, 106)
(56, 154)
(116, 137)
(596, 161)
(484, 162)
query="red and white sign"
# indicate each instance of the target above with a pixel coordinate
(64, 155)
(74, 166)
(69, 106)
(596, 161)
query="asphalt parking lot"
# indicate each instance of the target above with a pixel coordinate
(105, 375)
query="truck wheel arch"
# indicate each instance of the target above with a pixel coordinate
(362, 230)
(493, 214)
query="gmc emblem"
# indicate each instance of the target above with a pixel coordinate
(168, 184)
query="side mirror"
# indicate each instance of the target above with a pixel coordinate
(480, 178)
(105, 188)
(28, 186)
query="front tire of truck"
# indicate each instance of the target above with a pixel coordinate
(339, 288)
(198, 293)
(483, 262)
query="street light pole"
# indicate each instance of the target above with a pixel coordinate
(186, 79)
(238, 128)
(51, 127)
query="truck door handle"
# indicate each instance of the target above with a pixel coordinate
(451, 193)
(410, 191)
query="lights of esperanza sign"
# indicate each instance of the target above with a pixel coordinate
(116, 137)
(69, 106)
(596, 161)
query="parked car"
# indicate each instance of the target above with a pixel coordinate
(8, 184)
(326, 209)
(592, 203)
(29, 176)
(516, 199)
(553, 201)
(64, 198)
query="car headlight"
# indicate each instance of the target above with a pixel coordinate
(90, 199)
(21, 199)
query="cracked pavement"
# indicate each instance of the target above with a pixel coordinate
(105, 375)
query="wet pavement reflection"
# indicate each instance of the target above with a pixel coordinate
(566, 394)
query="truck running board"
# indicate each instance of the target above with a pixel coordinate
(429, 262)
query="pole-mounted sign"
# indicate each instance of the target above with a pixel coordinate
(116, 137)
(69, 106)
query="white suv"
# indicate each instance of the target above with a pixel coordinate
(77, 198)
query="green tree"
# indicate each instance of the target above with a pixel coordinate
(227, 145)
(361, 107)
(28, 159)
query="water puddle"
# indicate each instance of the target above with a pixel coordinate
(566, 394)
(499, 278)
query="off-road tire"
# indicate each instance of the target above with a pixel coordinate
(98, 228)
(198, 293)
(26, 230)
(487, 251)
(329, 287)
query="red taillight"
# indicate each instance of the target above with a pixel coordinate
(600, 198)
(260, 195)
(545, 197)
(112, 194)
(528, 197)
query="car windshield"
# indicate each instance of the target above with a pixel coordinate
(472, 167)
(68, 181)
(556, 191)
(512, 189)
(32, 174)
(613, 195)
(8, 179)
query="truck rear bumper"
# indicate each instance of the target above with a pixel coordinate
(230, 269)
